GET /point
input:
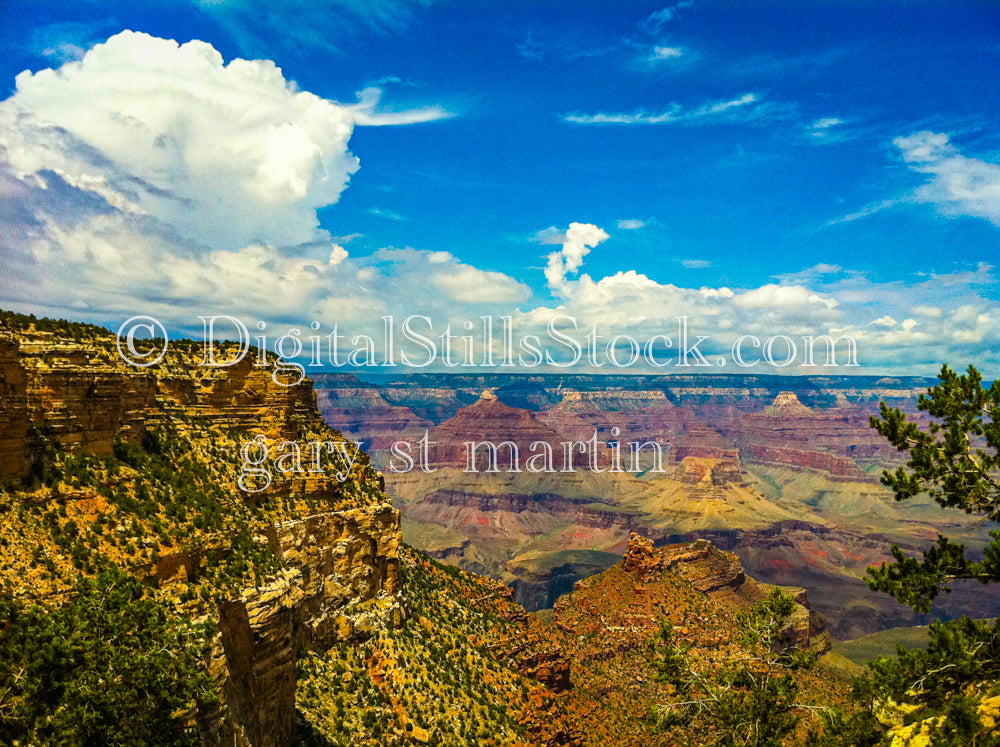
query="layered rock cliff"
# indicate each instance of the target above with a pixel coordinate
(817, 423)
(837, 440)
(142, 468)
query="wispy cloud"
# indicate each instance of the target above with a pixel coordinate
(871, 209)
(652, 23)
(387, 214)
(307, 26)
(660, 58)
(958, 185)
(831, 130)
(812, 274)
(631, 224)
(696, 264)
(827, 130)
(746, 108)
(665, 53)
(557, 44)
(530, 48)
(368, 112)
(768, 65)
(65, 42)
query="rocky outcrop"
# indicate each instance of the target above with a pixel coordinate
(616, 414)
(786, 405)
(692, 471)
(775, 420)
(838, 468)
(698, 440)
(363, 414)
(641, 559)
(708, 569)
(342, 584)
(341, 578)
(490, 421)
(786, 433)
(252, 658)
(348, 563)
(241, 397)
(79, 396)
(548, 667)
(719, 575)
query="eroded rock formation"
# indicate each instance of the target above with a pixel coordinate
(341, 579)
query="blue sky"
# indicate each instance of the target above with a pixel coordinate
(764, 168)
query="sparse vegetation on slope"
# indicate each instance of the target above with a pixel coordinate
(439, 679)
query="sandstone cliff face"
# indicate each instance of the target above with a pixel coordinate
(349, 567)
(81, 395)
(13, 410)
(343, 584)
(252, 657)
(72, 394)
(363, 414)
(339, 540)
(243, 397)
(838, 468)
(489, 420)
(692, 471)
(787, 433)
(583, 511)
(637, 415)
(817, 423)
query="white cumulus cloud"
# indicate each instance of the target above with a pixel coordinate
(151, 176)
(224, 154)
(467, 284)
(577, 242)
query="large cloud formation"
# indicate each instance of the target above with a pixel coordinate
(226, 154)
(152, 176)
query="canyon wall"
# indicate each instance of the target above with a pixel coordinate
(340, 580)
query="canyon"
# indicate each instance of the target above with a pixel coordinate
(782, 470)
(322, 624)
(333, 604)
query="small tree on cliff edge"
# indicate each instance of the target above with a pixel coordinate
(950, 693)
(750, 700)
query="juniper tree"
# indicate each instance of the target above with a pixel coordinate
(113, 667)
(955, 461)
(947, 694)
(751, 699)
